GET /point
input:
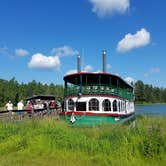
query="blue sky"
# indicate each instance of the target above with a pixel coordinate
(39, 39)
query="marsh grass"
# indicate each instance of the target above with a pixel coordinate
(48, 142)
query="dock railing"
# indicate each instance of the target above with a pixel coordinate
(14, 115)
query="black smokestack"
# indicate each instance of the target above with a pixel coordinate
(104, 61)
(78, 64)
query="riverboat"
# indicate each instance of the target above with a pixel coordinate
(96, 98)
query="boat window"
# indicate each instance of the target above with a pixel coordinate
(93, 105)
(119, 106)
(106, 105)
(70, 104)
(80, 106)
(114, 105)
(64, 106)
(128, 106)
(123, 107)
(132, 106)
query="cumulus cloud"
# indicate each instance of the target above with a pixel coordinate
(64, 51)
(21, 52)
(41, 61)
(4, 51)
(71, 71)
(146, 74)
(155, 70)
(109, 7)
(129, 80)
(117, 74)
(108, 66)
(131, 41)
(88, 68)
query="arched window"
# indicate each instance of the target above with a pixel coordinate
(71, 105)
(132, 106)
(114, 105)
(123, 104)
(93, 105)
(128, 106)
(119, 106)
(106, 105)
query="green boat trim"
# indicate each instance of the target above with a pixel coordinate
(92, 119)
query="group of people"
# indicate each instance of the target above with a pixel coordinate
(20, 105)
(30, 106)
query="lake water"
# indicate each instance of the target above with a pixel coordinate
(156, 109)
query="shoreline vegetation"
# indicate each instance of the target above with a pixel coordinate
(49, 142)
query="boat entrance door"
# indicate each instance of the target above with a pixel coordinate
(80, 106)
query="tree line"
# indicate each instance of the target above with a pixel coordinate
(145, 93)
(14, 91)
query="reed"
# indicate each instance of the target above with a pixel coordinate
(49, 142)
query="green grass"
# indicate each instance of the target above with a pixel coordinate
(49, 143)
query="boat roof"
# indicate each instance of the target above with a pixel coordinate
(93, 77)
(41, 97)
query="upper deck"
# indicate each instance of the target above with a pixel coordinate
(97, 84)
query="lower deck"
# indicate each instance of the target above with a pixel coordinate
(98, 104)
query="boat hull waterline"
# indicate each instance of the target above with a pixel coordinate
(95, 119)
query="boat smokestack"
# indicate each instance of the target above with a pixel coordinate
(78, 64)
(104, 61)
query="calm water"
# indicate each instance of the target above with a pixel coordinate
(157, 109)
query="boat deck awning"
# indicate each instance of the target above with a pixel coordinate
(84, 78)
(41, 97)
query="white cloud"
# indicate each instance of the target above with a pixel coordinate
(4, 50)
(109, 7)
(155, 70)
(41, 61)
(108, 66)
(64, 51)
(146, 74)
(21, 52)
(117, 74)
(88, 68)
(131, 41)
(71, 71)
(129, 80)
(98, 71)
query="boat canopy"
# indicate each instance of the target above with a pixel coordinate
(84, 78)
(41, 97)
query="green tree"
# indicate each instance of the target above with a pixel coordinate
(139, 91)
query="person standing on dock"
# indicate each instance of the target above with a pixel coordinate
(9, 107)
(20, 107)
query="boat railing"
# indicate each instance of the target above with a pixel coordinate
(99, 89)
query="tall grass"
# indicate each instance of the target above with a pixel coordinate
(48, 142)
